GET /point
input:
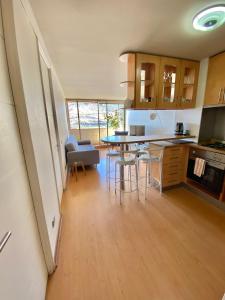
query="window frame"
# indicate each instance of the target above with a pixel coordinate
(107, 102)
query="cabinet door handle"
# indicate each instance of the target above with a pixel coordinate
(223, 95)
(220, 93)
(4, 240)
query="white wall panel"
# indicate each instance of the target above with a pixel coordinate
(23, 58)
(5, 89)
(61, 117)
(1, 27)
(34, 102)
(51, 126)
(23, 273)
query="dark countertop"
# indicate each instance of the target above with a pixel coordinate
(188, 144)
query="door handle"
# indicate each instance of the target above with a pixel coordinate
(4, 240)
(220, 92)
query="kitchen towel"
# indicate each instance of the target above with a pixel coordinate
(199, 168)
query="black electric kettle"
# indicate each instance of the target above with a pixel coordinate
(179, 128)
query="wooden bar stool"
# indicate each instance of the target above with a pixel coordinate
(74, 168)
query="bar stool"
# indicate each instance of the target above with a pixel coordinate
(122, 163)
(152, 155)
(110, 154)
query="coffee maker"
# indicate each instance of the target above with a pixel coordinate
(179, 128)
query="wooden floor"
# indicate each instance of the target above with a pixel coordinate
(165, 248)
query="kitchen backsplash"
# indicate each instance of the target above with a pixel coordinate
(212, 124)
(155, 121)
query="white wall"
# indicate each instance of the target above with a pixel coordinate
(61, 121)
(27, 182)
(25, 73)
(58, 90)
(51, 126)
(163, 123)
(23, 273)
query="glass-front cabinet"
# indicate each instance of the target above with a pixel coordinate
(188, 83)
(159, 82)
(169, 81)
(147, 80)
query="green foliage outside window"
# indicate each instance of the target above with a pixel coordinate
(113, 120)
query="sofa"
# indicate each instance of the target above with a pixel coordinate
(77, 151)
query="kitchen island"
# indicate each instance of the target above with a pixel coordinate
(122, 141)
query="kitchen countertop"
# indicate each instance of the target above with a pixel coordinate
(193, 145)
(166, 144)
(127, 139)
(207, 148)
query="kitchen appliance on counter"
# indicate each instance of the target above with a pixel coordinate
(213, 177)
(179, 128)
(137, 130)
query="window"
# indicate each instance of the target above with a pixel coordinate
(103, 124)
(88, 113)
(95, 119)
(115, 113)
(102, 115)
(72, 114)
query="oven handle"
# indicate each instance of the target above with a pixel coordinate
(216, 165)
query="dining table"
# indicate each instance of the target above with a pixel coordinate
(123, 140)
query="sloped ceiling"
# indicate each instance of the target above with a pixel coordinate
(85, 38)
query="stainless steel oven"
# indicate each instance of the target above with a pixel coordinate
(213, 177)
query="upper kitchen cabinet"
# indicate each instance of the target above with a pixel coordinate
(130, 60)
(169, 80)
(188, 83)
(147, 80)
(156, 82)
(215, 87)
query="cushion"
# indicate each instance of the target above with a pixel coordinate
(86, 148)
(84, 142)
(70, 147)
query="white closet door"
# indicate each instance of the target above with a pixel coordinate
(51, 126)
(24, 67)
(62, 126)
(22, 253)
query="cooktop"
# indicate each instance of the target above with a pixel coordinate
(216, 145)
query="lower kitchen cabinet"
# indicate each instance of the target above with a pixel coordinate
(174, 165)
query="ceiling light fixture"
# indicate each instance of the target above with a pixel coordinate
(210, 18)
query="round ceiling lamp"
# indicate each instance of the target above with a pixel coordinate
(210, 18)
